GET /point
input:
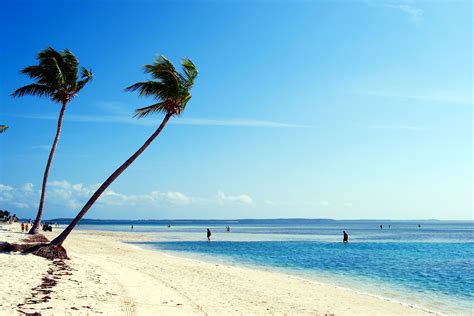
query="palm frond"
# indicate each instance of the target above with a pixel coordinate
(161, 64)
(69, 66)
(190, 73)
(184, 101)
(33, 89)
(3, 128)
(33, 72)
(86, 76)
(56, 75)
(51, 62)
(48, 53)
(163, 70)
(154, 108)
(152, 88)
(170, 87)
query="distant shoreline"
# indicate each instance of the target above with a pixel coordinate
(248, 221)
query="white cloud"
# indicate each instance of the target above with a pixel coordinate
(178, 197)
(28, 187)
(222, 198)
(20, 197)
(234, 122)
(5, 188)
(70, 195)
(73, 196)
(416, 14)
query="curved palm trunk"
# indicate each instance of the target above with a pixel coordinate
(39, 215)
(60, 239)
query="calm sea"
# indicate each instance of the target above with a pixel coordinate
(425, 263)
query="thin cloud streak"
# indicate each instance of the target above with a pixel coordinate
(439, 97)
(181, 121)
(398, 127)
(414, 13)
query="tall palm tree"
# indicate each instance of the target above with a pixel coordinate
(3, 128)
(172, 91)
(56, 77)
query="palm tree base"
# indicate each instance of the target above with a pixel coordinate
(37, 238)
(33, 231)
(45, 250)
(50, 251)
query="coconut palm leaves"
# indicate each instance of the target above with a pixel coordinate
(3, 128)
(55, 76)
(169, 87)
(171, 90)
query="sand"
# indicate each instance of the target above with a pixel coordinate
(107, 276)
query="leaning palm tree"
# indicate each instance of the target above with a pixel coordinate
(171, 90)
(56, 77)
(3, 128)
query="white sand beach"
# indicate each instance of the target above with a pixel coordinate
(105, 275)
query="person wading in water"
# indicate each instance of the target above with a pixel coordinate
(208, 234)
(345, 239)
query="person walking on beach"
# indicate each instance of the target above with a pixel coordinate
(131, 228)
(22, 227)
(345, 238)
(26, 227)
(209, 234)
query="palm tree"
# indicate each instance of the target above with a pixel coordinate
(3, 128)
(56, 77)
(172, 91)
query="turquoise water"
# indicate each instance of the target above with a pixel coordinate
(431, 266)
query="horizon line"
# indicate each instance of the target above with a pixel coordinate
(273, 218)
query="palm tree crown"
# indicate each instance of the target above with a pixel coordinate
(3, 128)
(56, 76)
(172, 91)
(170, 88)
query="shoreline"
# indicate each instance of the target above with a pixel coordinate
(110, 275)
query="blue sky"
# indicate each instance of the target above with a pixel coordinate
(319, 109)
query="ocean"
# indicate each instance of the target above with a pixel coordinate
(425, 263)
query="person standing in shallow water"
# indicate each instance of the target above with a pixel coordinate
(345, 238)
(209, 234)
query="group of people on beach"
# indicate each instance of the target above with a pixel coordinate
(25, 227)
